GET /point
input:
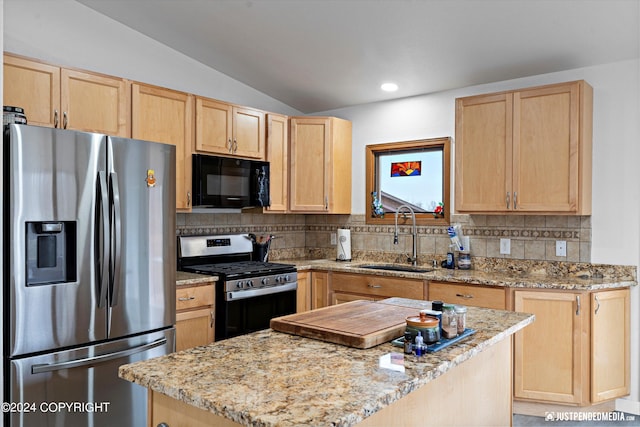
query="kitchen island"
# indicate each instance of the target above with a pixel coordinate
(269, 378)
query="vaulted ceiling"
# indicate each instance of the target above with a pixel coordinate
(317, 55)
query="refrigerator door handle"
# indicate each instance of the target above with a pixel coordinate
(117, 239)
(102, 262)
(50, 367)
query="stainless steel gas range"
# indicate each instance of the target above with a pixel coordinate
(249, 293)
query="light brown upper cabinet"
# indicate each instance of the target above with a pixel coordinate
(278, 158)
(320, 165)
(229, 130)
(525, 151)
(164, 115)
(65, 98)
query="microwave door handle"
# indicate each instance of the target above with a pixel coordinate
(102, 259)
(117, 239)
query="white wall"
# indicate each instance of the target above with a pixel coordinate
(68, 33)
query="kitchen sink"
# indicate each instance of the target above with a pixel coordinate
(388, 267)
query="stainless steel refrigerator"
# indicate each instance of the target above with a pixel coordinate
(88, 272)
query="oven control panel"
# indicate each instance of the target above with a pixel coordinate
(258, 282)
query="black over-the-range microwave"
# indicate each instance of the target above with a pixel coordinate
(225, 182)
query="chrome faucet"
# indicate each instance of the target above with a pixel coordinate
(414, 233)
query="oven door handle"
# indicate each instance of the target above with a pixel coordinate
(251, 293)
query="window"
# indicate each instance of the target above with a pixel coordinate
(413, 173)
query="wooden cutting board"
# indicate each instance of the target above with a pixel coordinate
(359, 324)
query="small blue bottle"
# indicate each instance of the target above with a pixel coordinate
(419, 348)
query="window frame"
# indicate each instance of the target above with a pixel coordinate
(371, 152)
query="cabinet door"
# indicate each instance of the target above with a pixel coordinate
(303, 294)
(310, 161)
(545, 149)
(94, 103)
(483, 153)
(248, 133)
(163, 115)
(319, 289)
(278, 158)
(194, 328)
(609, 345)
(550, 355)
(35, 87)
(214, 128)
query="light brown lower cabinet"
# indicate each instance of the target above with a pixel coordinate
(577, 350)
(319, 289)
(303, 293)
(610, 335)
(195, 315)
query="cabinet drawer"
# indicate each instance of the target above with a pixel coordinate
(384, 286)
(472, 295)
(194, 296)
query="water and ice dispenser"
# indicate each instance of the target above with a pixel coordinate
(51, 252)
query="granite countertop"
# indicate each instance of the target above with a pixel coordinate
(517, 279)
(269, 378)
(183, 278)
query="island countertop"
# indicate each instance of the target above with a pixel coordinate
(269, 378)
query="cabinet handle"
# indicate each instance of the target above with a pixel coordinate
(374, 286)
(598, 305)
(188, 198)
(577, 305)
(508, 200)
(230, 145)
(464, 296)
(163, 425)
(55, 118)
(186, 298)
(515, 200)
(64, 120)
(212, 317)
(235, 145)
(326, 202)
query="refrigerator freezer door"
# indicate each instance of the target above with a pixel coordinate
(53, 282)
(81, 388)
(142, 192)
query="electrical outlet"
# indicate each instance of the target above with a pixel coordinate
(561, 248)
(333, 239)
(505, 246)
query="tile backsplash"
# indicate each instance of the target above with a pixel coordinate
(309, 236)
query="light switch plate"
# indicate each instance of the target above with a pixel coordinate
(505, 246)
(561, 248)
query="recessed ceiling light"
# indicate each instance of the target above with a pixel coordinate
(389, 87)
